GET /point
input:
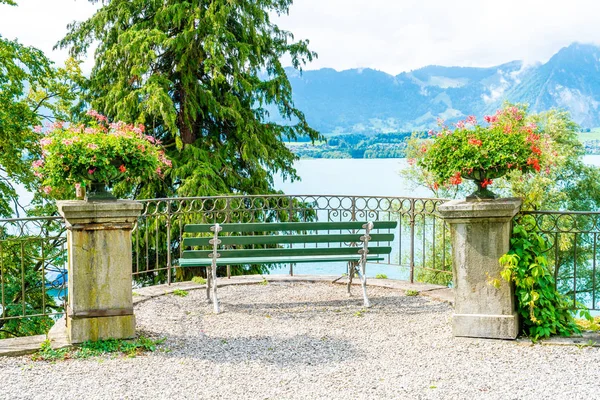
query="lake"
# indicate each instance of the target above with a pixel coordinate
(361, 177)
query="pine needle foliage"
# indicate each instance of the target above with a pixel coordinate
(203, 76)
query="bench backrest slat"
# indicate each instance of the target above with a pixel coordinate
(309, 251)
(287, 239)
(287, 226)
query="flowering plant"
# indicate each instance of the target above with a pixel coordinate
(98, 155)
(484, 152)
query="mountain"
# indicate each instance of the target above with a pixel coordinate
(366, 100)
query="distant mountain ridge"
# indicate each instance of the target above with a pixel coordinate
(367, 100)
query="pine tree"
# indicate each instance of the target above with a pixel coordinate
(204, 77)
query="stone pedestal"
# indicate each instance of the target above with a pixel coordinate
(481, 232)
(100, 302)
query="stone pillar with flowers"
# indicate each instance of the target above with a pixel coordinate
(480, 225)
(99, 156)
(100, 303)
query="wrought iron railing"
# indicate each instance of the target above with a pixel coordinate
(421, 248)
(33, 255)
(573, 239)
(32, 274)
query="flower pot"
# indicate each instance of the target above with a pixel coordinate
(98, 192)
(479, 177)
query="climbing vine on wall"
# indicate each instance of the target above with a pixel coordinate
(543, 309)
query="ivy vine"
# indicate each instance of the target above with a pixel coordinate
(543, 309)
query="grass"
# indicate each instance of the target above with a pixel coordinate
(129, 348)
(360, 313)
(199, 280)
(180, 293)
(381, 276)
(411, 292)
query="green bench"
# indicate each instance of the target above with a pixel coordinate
(291, 243)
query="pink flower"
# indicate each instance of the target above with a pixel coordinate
(45, 142)
(460, 124)
(77, 185)
(491, 119)
(37, 163)
(47, 189)
(431, 132)
(67, 142)
(57, 125)
(471, 120)
(411, 161)
(38, 174)
(92, 146)
(91, 171)
(167, 162)
(95, 114)
(150, 138)
(37, 129)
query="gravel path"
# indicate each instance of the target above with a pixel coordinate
(309, 341)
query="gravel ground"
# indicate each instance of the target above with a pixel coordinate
(309, 341)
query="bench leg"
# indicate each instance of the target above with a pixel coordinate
(363, 281)
(350, 276)
(214, 290)
(208, 279)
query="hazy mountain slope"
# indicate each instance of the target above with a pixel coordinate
(362, 100)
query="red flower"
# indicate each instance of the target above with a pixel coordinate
(535, 163)
(533, 138)
(424, 149)
(486, 182)
(455, 179)
(475, 142)
(535, 149)
(122, 168)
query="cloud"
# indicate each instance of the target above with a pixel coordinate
(388, 35)
(396, 36)
(42, 23)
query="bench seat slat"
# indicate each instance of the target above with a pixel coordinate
(283, 252)
(288, 239)
(200, 262)
(288, 226)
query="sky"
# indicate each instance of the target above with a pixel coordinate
(388, 35)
